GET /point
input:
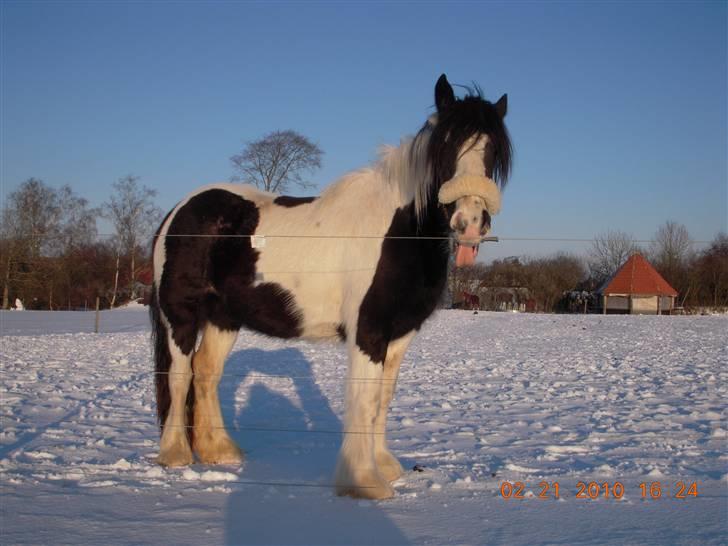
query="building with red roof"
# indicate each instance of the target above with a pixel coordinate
(637, 288)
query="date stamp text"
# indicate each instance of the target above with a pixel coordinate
(599, 490)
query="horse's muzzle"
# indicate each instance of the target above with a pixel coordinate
(467, 243)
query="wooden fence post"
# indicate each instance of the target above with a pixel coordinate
(96, 324)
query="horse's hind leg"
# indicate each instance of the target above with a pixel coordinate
(174, 446)
(211, 441)
(387, 464)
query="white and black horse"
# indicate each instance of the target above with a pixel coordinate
(364, 263)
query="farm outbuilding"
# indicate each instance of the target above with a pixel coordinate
(637, 289)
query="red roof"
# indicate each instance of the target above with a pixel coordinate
(637, 276)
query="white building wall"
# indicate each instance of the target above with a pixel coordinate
(644, 305)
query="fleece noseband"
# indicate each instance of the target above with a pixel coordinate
(471, 184)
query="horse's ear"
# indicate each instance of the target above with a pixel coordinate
(444, 96)
(502, 106)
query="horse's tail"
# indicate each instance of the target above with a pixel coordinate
(162, 358)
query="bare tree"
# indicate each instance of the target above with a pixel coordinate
(277, 161)
(30, 223)
(711, 269)
(671, 248)
(609, 251)
(78, 221)
(34, 212)
(76, 231)
(551, 277)
(10, 249)
(671, 253)
(507, 272)
(41, 226)
(135, 216)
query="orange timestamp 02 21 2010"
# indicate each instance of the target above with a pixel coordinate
(596, 489)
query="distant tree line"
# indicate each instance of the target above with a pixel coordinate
(52, 257)
(50, 253)
(568, 283)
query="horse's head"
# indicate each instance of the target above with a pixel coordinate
(469, 152)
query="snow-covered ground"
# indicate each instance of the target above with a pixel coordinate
(483, 399)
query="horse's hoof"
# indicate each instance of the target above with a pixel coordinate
(365, 485)
(388, 466)
(176, 458)
(222, 452)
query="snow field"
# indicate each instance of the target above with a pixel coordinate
(482, 399)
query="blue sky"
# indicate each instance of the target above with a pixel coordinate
(617, 110)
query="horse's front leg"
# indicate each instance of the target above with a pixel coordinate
(356, 470)
(388, 465)
(210, 440)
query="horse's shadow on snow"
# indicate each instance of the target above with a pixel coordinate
(276, 412)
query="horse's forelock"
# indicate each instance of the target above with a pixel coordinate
(469, 116)
(423, 163)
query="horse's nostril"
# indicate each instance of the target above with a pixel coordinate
(457, 223)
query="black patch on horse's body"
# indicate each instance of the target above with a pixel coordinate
(408, 282)
(341, 332)
(210, 279)
(288, 201)
(410, 276)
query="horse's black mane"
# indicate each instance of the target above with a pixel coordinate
(465, 118)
